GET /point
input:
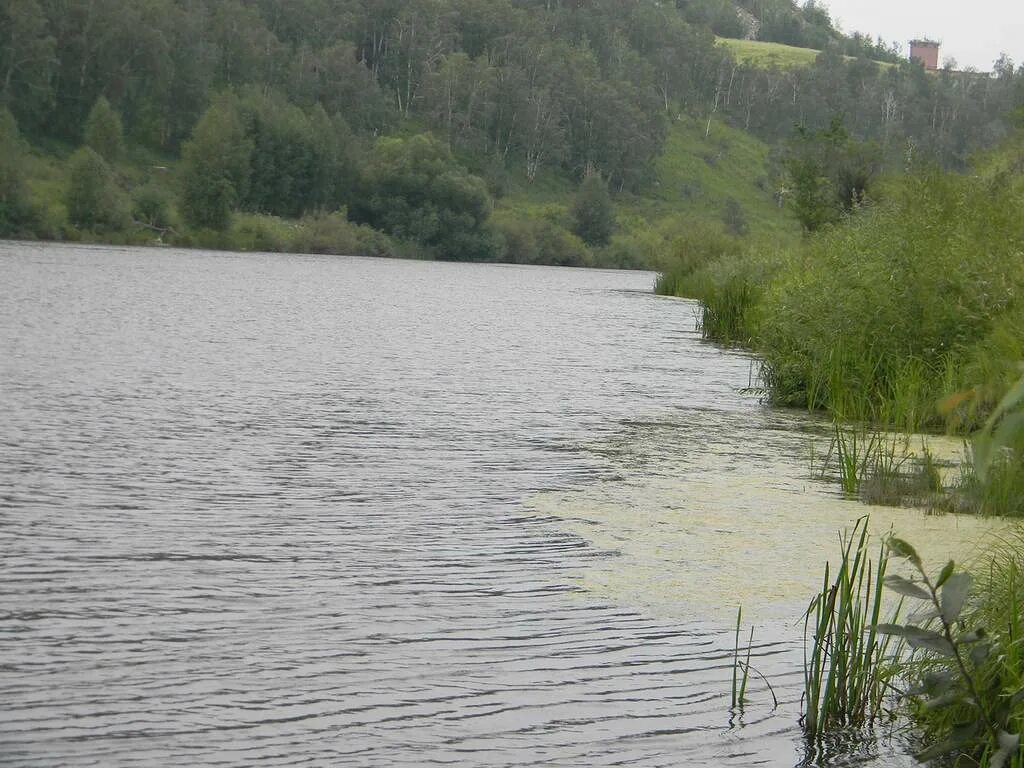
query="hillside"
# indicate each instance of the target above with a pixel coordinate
(397, 128)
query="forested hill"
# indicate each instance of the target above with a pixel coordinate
(279, 106)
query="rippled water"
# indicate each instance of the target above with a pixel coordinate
(286, 510)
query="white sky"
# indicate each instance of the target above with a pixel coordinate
(974, 32)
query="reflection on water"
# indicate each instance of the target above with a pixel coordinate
(276, 510)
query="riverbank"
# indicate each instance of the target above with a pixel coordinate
(903, 317)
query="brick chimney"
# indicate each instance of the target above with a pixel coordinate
(926, 52)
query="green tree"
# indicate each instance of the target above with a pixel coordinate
(27, 58)
(215, 168)
(300, 161)
(17, 214)
(830, 173)
(103, 131)
(414, 190)
(593, 215)
(92, 197)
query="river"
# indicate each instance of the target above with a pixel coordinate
(294, 510)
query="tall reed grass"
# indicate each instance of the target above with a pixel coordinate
(847, 671)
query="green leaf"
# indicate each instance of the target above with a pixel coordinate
(980, 653)
(954, 593)
(972, 637)
(918, 638)
(953, 697)
(891, 629)
(900, 548)
(906, 587)
(946, 573)
(924, 615)
(929, 641)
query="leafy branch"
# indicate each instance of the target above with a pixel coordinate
(985, 728)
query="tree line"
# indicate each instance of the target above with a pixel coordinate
(278, 106)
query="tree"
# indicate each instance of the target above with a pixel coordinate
(215, 167)
(414, 190)
(17, 214)
(93, 199)
(27, 58)
(592, 213)
(829, 173)
(103, 132)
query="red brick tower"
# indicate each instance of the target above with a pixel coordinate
(927, 52)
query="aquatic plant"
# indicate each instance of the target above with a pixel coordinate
(879, 467)
(970, 697)
(740, 669)
(847, 671)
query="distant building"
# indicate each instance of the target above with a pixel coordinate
(927, 52)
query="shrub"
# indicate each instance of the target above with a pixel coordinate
(529, 240)
(151, 207)
(592, 212)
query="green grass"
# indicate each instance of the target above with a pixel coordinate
(768, 54)
(763, 54)
(846, 675)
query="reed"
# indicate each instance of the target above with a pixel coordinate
(846, 671)
(740, 670)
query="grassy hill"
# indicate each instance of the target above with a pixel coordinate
(763, 54)
(703, 176)
(768, 54)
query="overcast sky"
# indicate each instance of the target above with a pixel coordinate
(974, 32)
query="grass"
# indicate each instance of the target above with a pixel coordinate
(764, 54)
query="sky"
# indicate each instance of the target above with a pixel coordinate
(974, 33)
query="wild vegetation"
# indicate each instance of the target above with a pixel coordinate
(208, 116)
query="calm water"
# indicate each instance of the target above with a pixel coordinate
(286, 510)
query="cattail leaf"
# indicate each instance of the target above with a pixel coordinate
(901, 548)
(954, 593)
(946, 573)
(906, 587)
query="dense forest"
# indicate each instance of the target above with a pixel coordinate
(405, 119)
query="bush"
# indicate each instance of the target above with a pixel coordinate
(93, 199)
(151, 207)
(539, 241)
(592, 212)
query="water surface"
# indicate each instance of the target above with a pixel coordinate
(321, 511)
